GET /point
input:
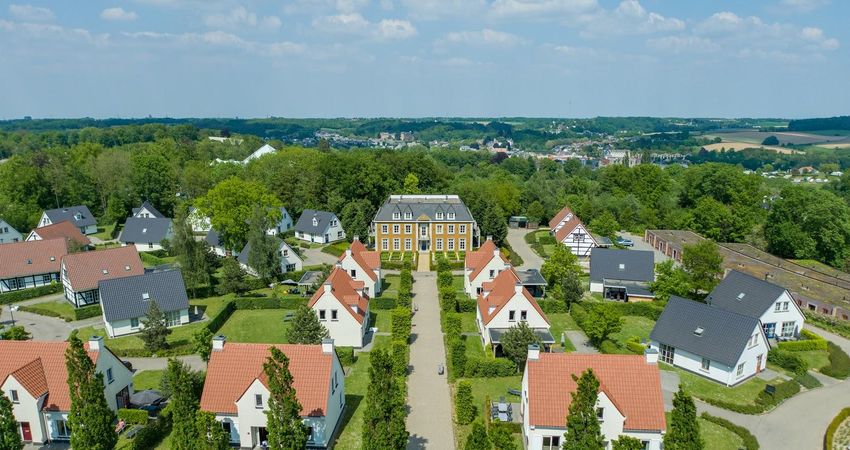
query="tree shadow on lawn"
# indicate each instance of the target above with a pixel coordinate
(352, 402)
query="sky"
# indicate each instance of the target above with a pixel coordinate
(424, 58)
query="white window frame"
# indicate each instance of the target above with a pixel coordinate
(450, 244)
(408, 244)
(705, 365)
(334, 315)
(439, 215)
(396, 244)
(740, 371)
(461, 244)
(258, 401)
(408, 229)
(451, 216)
(451, 229)
(396, 229)
(396, 215)
(385, 244)
(790, 325)
(385, 228)
(439, 244)
(408, 215)
(512, 316)
(777, 307)
(461, 229)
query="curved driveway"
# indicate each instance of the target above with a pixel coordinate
(516, 238)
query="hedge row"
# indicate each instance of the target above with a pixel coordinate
(839, 363)
(87, 312)
(42, 311)
(149, 436)
(396, 265)
(552, 306)
(833, 426)
(133, 416)
(808, 381)
(488, 367)
(809, 341)
(27, 294)
(787, 360)
(346, 356)
(382, 303)
(764, 401)
(750, 441)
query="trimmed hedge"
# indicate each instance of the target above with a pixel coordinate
(635, 347)
(807, 334)
(346, 356)
(808, 341)
(396, 265)
(808, 381)
(382, 303)
(133, 416)
(839, 363)
(750, 441)
(552, 306)
(86, 312)
(833, 426)
(466, 305)
(401, 324)
(401, 357)
(787, 360)
(609, 347)
(457, 357)
(453, 325)
(27, 294)
(489, 367)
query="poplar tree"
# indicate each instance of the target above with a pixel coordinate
(683, 430)
(285, 428)
(184, 405)
(383, 420)
(583, 429)
(211, 435)
(10, 439)
(90, 416)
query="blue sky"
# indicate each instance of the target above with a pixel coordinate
(413, 58)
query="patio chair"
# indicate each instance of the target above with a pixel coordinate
(514, 392)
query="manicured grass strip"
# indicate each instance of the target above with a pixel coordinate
(749, 442)
(263, 326)
(147, 379)
(336, 249)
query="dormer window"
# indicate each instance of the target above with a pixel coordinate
(396, 215)
(146, 296)
(699, 331)
(451, 216)
(53, 258)
(105, 272)
(315, 222)
(440, 216)
(144, 230)
(78, 216)
(622, 267)
(29, 261)
(126, 268)
(408, 215)
(741, 296)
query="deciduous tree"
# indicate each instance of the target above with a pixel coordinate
(601, 323)
(561, 262)
(229, 206)
(704, 264)
(515, 343)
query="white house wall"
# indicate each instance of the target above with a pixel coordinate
(27, 409)
(596, 287)
(583, 248)
(792, 315)
(372, 287)
(345, 331)
(124, 326)
(122, 377)
(471, 286)
(517, 303)
(11, 236)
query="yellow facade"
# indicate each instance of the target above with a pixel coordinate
(424, 235)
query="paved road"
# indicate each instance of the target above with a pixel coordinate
(580, 341)
(641, 245)
(315, 256)
(141, 364)
(430, 418)
(516, 237)
(44, 327)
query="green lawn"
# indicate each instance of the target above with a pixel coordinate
(150, 260)
(337, 248)
(382, 319)
(104, 232)
(633, 326)
(474, 347)
(61, 307)
(264, 326)
(717, 437)
(457, 283)
(147, 379)
(389, 286)
(816, 359)
(481, 389)
(703, 388)
(468, 324)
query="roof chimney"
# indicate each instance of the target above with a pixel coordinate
(327, 346)
(489, 238)
(356, 238)
(338, 264)
(218, 343)
(496, 253)
(533, 352)
(347, 252)
(651, 355)
(95, 343)
(327, 286)
(518, 288)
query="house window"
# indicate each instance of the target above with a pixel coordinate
(461, 244)
(754, 340)
(396, 215)
(395, 229)
(134, 323)
(451, 216)
(788, 328)
(408, 229)
(396, 244)
(451, 244)
(439, 216)
(408, 215)
(740, 370)
(334, 223)
(523, 315)
(492, 273)
(339, 234)
(150, 244)
(439, 229)
(785, 306)
(285, 253)
(551, 442)
(706, 364)
(667, 353)
(511, 316)
(290, 267)
(777, 307)
(451, 229)
(385, 244)
(62, 429)
(226, 427)
(334, 316)
(408, 244)
(109, 377)
(172, 318)
(439, 244)
(353, 273)
(322, 314)
(46, 278)
(310, 434)
(258, 400)
(461, 229)
(600, 413)
(13, 395)
(315, 222)
(578, 237)
(384, 228)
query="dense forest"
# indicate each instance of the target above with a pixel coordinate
(829, 123)
(114, 169)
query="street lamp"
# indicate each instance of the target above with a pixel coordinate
(12, 309)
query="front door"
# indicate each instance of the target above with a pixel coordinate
(122, 399)
(758, 363)
(26, 432)
(770, 330)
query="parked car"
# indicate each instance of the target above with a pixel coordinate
(625, 242)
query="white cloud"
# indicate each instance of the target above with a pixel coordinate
(542, 8)
(118, 14)
(804, 5)
(817, 37)
(31, 13)
(220, 39)
(683, 44)
(630, 17)
(240, 18)
(355, 23)
(486, 36)
(43, 31)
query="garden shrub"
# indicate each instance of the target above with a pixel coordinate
(346, 356)
(448, 300)
(401, 324)
(464, 404)
(149, 436)
(787, 360)
(829, 437)
(258, 303)
(839, 362)
(382, 303)
(457, 354)
(609, 347)
(404, 299)
(466, 305)
(552, 306)
(453, 326)
(489, 367)
(803, 345)
(27, 294)
(133, 416)
(444, 280)
(633, 345)
(808, 334)
(401, 357)
(750, 441)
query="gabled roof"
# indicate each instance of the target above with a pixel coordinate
(305, 222)
(130, 297)
(631, 265)
(266, 149)
(424, 207)
(503, 290)
(234, 368)
(85, 270)
(744, 294)
(213, 238)
(703, 330)
(369, 261)
(571, 221)
(147, 205)
(65, 230)
(477, 260)
(32, 257)
(68, 213)
(343, 288)
(632, 385)
(40, 367)
(139, 230)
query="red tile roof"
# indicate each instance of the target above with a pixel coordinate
(572, 221)
(40, 367)
(343, 288)
(632, 385)
(86, 269)
(31, 257)
(478, 259)
(504, 289)
(64, 229)
(232, 370)
(369, 261)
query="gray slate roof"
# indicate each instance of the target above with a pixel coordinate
(420, 206)
(141, 230)
(305, 222)
(758, 295)
(147, 205)
(68, 213)
(212, 238)
(243, 255)
(123, 298)
(531, 277)
(638, 265)
(543, 334)
(724, 337)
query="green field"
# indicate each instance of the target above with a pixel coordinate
(703, 388)
(633, 326)
(263, 326)
(147, 379)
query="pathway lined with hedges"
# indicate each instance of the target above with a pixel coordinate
(430, 418)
